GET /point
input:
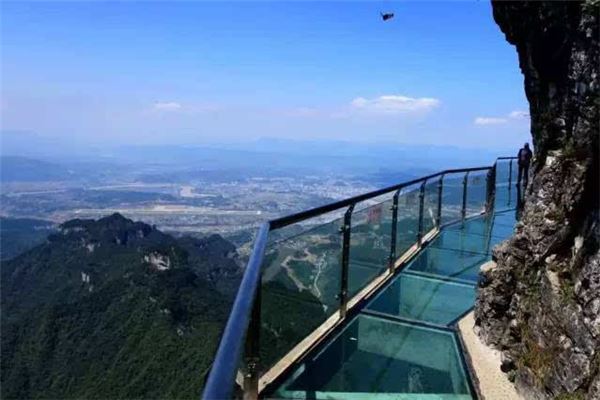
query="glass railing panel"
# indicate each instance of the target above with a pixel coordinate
(381, 357)
(476, 192)
(424, 299)
(407, 226)
(430, 205)
(502, 171)
(501, 185)
(300, 284)
(290, 231)
(505, 193)
(370, 245)
(513, 189)
(515, 171)
(452, 194)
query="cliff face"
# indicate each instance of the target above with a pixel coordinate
(541, 304)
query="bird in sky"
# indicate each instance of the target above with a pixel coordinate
(386, 16)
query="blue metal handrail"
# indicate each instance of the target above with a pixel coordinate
(220, 380)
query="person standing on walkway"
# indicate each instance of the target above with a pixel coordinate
(523, 160)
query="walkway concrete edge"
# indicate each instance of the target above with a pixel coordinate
(484, 365)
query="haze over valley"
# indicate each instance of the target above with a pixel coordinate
(200, 191)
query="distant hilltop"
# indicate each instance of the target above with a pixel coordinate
(116, 307)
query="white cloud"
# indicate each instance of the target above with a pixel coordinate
(490, 121)
(167, 106)
(394, 104)
(518, 114)
(188, 108)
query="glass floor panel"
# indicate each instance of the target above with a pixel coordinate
(379, 358)
(424, 299)
(502, 231)
(476, 226)
(501, 227)
(456, 264)
(505, 218)
(495, 240)
(460, 240)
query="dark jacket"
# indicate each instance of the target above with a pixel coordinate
(524, 156)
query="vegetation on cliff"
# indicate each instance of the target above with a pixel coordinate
(113, 309)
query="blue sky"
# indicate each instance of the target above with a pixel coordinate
(212, 72)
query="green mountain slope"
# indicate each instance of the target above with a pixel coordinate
(113, 309)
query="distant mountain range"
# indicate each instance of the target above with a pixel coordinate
(14, 168)
(267, 156)
(112, 308)
(313, 155)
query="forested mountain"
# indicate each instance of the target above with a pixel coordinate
(114, 309)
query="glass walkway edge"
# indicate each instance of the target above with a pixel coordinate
(365, 305)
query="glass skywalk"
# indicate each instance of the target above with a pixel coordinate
(359, 298)
(402, 344)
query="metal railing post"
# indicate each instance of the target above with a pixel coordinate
(394, 233)
(463, 211)
(509, 181)
(345, 260)
(252, 350)
(421, 206)
(490, 195)
(510, 172)
(438, 217)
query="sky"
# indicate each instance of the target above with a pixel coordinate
(231, 72)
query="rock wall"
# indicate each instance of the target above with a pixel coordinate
(540, 305)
